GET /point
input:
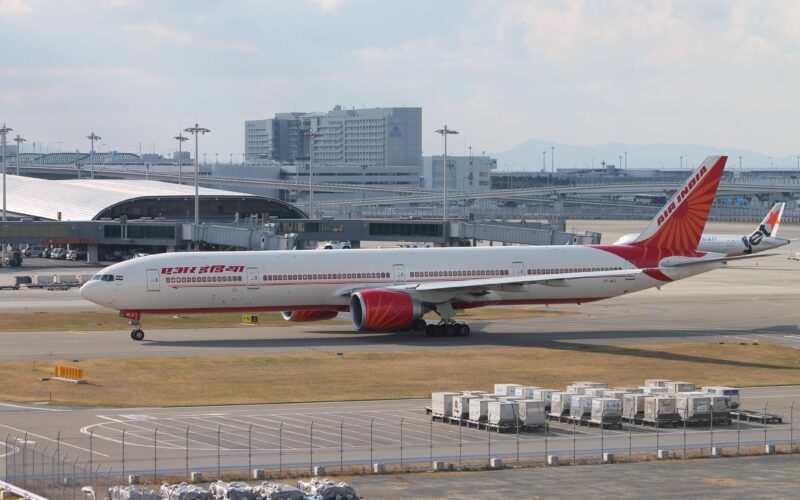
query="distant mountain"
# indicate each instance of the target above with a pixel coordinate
(528, 156)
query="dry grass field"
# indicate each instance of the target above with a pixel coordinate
(88, 321)
(363, 376)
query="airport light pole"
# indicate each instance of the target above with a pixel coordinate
(197, 130)
(3, 132)
(312, 135)
(19, 140)
(181, 139)
(444, 132)
(92, 137)
(544, 161)
(552, 159)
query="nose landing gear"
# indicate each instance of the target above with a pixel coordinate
(135, 316)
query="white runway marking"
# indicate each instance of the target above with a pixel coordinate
(25, 407)
(22, 431)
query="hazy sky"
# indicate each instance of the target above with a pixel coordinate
(717, 72)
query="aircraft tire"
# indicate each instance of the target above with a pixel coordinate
(450, 330)
(462, 330)
(431, 330)
(419, 325)
(137, 335)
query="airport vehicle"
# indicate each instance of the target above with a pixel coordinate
(391, 289)
(58, 253)
(33, 251)
(333, 245)
(765, 237)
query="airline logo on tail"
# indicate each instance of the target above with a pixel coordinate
(687, 188)
(767, 229)
(680, 223)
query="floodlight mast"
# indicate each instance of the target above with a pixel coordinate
(19, 140)
(3, 132)
(197, 130)
(93, 137)
(181, 139)
(312, 135)
(444, 132)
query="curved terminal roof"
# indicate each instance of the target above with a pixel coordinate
(89, 199)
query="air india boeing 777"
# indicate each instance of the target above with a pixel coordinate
(391, 289)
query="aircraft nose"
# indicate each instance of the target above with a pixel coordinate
(90, 292)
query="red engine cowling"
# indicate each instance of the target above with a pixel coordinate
(372, 310)
(303, 316)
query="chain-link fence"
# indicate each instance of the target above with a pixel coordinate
(160, 450)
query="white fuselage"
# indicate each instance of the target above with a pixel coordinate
(293, 280)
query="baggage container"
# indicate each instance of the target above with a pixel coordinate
(721, 409)
(479, 409)
(617, 393)
(277, 491)
(532, 412)
(606, 411)
(580, 387)
(559, 404)
(525, 391)
(45, 279)
(656, 390)
(233, 491)
(595, 392)
(694, 407)
(580, 407)
(674, 387)
(656, 382)
(633, 406)
(442, 404)
(503, 413)
(587, 383)
(660, 410)
(505, 389)
(461, 406)
(732, 393)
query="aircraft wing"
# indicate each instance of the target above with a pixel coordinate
(709, 258)
(504, 282)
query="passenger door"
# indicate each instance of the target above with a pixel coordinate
(518, 268)
(153, 280)
(399, 273)
(252, 278)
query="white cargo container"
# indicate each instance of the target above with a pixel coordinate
(479, 409)
(596, 392)
(505, 389)
(656, 382)
(633, 405)
(655, 390)
(461, 405)
(618, 393)
(559, 404)
(660, 410)
(674, 387)
(732, 393)
(606, 411)
(576, 389)
(580, 406)
(525, 391)
(502, 413)
(589, 383)
(532, 412)
(442, 404)
(720, 408)
(693, 407)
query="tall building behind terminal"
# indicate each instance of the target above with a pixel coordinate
(371, 137)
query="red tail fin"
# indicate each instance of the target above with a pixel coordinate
(680, 223)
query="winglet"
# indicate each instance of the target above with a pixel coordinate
(680, 223)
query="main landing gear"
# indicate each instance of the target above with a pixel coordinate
(447, 326)
(449, 329)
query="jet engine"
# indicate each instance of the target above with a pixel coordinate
(311, 315)
(372, 310)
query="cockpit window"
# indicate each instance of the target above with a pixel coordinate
(103, 277)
